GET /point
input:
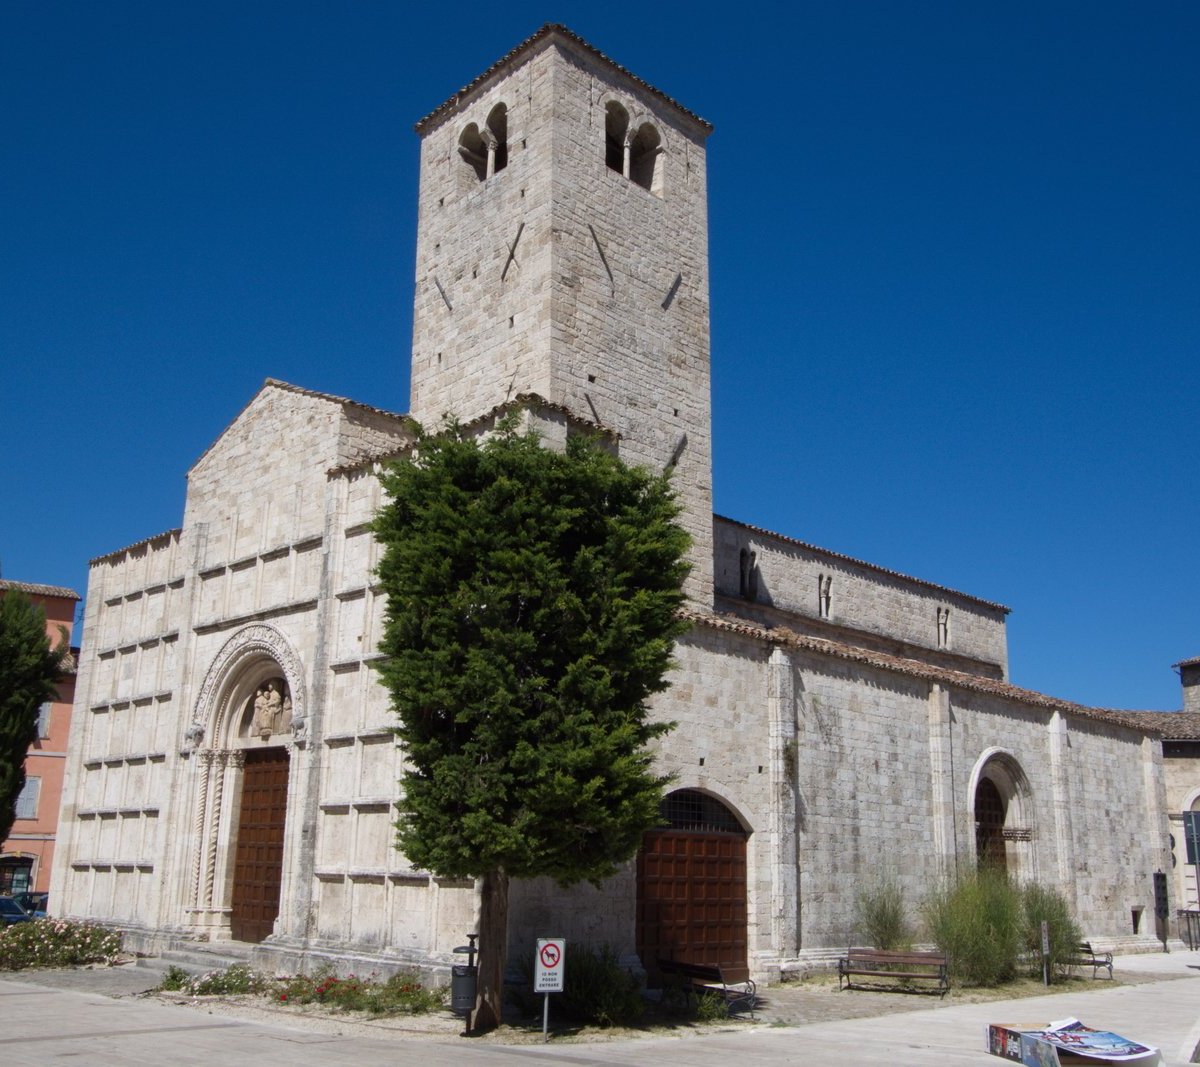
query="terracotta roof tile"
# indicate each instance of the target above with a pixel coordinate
(551, 29)
(344, 401)
(917, 669)
(34, 589)
(1173, 725)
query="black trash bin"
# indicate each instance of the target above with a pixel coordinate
(463, 978)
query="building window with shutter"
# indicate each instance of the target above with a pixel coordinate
(1191, 835)
(27, 802)
(43, 724)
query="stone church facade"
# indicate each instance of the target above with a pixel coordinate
(232, 774)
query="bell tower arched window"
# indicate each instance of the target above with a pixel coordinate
(485, 150)
(645, 159)
(616, 128)
(473, 151)
(497, 124)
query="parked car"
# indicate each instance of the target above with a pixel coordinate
(12, 913)
(33, 903)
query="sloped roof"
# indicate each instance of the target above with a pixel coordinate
(136, 544)
(551, 29)
(918, 669)
(518, 402)
(1194, 661)
(1173, 725)
(275, 383)
(34, 589)
(862, 563)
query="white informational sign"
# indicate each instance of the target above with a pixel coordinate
(549, 965)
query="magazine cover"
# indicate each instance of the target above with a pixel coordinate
(1067, 1041)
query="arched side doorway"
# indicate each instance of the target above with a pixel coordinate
(251, 708)
(691, 886)
(990, 813)
(1002, 806)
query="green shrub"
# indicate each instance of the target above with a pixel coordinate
(882, 915)
(711, 1008)
(232, 981)
(597, 989)
(1044, 904)
(175, 980)
(402, 994)
(978, 921)
(56, 943)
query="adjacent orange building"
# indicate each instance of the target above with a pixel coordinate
(26, 856)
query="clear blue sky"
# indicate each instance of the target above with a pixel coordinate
(955, 284)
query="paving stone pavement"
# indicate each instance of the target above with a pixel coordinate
(97, 1017)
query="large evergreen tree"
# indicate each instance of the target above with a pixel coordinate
(532, 606)
(29, 669)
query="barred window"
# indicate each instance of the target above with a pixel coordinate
(688, 809)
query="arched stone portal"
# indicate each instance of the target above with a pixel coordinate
(691, 886)
(251, 709)
(1002, 806)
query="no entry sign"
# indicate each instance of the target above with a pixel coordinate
(549, 965)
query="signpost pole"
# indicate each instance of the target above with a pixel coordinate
(548, 966)
(1045, 952)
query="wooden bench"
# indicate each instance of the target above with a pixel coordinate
(699, 979)
(1086, 957)
(903, 966)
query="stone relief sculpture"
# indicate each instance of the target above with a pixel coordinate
(272, 709)
(193, 736)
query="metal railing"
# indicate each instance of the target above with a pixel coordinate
(1188, 920)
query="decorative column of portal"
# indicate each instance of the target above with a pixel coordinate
(941, 780)
(781, 705)
(235, 769)
(206, 761)
(214, 827)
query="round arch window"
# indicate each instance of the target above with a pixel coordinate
(691, 810)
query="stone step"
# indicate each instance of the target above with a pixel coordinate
(198, 958)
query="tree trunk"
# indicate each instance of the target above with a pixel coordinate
(493, 950)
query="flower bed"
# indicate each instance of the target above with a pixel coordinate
(56, 943)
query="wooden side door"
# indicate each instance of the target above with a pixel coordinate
(691, 900)
(258, 856)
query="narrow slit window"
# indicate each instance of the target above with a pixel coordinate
(748, 574)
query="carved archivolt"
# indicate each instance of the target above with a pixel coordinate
(247, 671)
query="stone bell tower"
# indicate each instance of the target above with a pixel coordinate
(562, 254)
